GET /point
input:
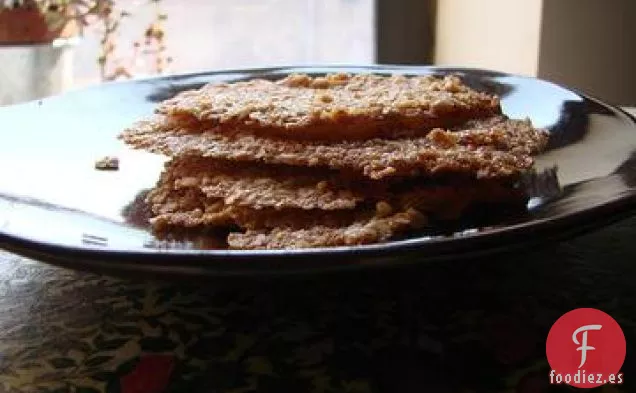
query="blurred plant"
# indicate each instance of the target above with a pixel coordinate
(62, 18)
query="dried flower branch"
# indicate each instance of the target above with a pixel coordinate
(105, 15)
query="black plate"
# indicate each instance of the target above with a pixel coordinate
(54, 206)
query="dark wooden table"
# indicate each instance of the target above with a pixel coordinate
(465, 326)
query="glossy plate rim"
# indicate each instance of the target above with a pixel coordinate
(282, 262)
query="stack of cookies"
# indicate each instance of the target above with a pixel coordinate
(332, 160)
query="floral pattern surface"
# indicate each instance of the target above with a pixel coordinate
(464, 326)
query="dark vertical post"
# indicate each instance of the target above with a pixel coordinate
(405, 31)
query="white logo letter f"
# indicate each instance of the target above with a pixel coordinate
(584, 347)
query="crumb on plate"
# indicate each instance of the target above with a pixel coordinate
(107, 163)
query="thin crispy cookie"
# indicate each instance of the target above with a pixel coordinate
(334, 107)
(366, 231)
(500, 150)
(262, 186)
(442, 202)
(188, 206)
(185, 208)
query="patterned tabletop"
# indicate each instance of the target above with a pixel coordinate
(470, 326)
(466, 326)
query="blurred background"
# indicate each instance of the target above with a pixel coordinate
(202, 35)
(584, 44)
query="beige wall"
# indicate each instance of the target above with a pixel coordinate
(589, 45)
(498, 34)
